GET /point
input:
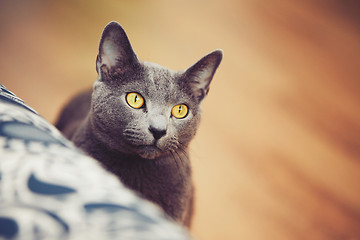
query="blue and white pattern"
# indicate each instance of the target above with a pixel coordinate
(51, 190)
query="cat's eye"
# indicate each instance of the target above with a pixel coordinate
(180, 111)
(135, 100)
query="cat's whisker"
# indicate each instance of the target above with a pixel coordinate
(173, 144)
(182, 162)
(185, 154)
(177, 165)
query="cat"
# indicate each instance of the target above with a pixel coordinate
(139, 119)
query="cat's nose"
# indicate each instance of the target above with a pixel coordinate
(158, 126)
(157, 133)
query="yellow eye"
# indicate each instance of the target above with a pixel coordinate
(135, 100)
(180, 111)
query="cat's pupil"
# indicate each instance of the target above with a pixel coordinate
(179, 109)
(136, 98)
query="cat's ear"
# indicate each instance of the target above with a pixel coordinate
(116, 55)
(198, 77)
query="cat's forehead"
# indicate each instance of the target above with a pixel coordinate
(158, 76)
(160, 82)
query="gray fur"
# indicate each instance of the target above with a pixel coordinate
(124, 139)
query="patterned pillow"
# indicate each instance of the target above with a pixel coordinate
(50, 189)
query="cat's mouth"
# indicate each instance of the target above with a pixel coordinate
(151, 148)
(155, 150)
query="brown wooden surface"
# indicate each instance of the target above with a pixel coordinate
(278, 152)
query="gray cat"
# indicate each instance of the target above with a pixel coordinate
(139, 120)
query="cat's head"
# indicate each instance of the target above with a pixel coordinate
(142, 108)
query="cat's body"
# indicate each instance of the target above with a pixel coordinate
(139, 119)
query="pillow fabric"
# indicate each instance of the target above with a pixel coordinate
(50, 189)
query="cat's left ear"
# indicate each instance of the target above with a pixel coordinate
(199, 76)
(116, 55)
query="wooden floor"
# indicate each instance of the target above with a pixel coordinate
(278, 152)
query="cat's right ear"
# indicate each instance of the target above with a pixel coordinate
(198, 77)
(116, 55)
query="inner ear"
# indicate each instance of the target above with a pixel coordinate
(116, 55)
(198, 77)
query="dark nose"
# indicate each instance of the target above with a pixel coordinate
(157, 133)
(158, 126)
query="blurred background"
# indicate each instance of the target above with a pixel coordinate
(278, 152)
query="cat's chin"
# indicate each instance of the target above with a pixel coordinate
(149, 152)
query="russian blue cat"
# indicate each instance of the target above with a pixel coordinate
(139, 119)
